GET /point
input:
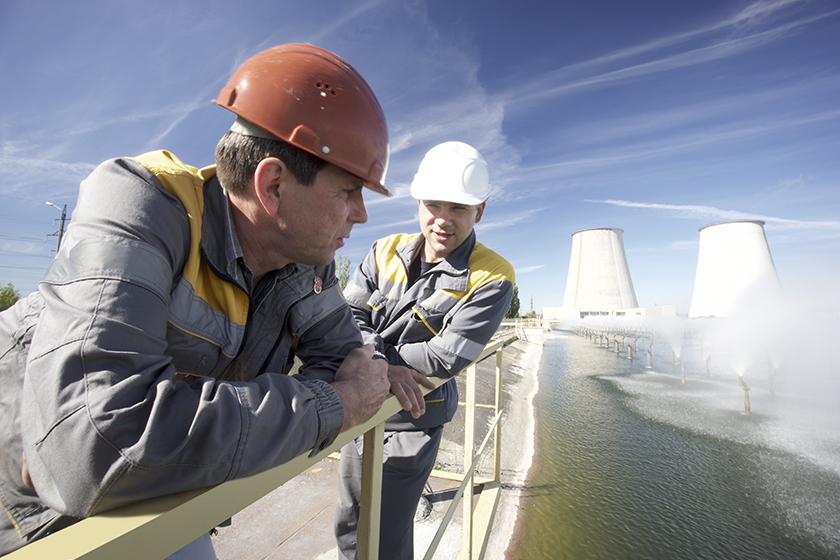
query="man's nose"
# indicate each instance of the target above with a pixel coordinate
(443, 217)
(358, 212)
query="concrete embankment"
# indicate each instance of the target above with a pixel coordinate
(295, 521)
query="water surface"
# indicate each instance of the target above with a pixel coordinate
(631, 463)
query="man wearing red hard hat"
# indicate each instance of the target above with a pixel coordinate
(154, 356)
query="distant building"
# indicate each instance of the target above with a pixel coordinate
(556, 314)
(734, 269)
(599, 281)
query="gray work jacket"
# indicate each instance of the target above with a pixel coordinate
(144, 365)
(438, 325)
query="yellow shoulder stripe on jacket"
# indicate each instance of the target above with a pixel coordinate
(391, 268)
(485, 266)
(187, 184)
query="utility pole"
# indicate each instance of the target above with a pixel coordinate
(60, 232)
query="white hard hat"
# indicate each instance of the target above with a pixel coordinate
(452, 172)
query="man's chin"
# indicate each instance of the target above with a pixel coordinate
(441, 251)
(320, 260)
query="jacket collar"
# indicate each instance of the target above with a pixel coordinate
(219, 242)
(451, 273)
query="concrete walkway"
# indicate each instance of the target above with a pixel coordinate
(295, 521)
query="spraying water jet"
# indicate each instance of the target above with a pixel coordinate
(650, 351)
(746, 397)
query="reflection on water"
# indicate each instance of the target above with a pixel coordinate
(631, 463)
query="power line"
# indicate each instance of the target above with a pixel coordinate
(18, 238)
(24, 267)
(20, 220)
(24, 254)
(23, 198)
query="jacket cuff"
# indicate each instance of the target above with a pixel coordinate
(330, 413)
(393, 355)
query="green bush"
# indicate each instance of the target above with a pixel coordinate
(8, 296)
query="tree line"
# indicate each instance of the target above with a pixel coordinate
(8, 296)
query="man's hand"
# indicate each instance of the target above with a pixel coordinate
(361, 384)
(405, 384)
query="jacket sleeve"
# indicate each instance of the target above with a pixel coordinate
(462, 340)
(104, 423)
(362, 285)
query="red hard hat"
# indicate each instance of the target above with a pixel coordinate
(313, 99)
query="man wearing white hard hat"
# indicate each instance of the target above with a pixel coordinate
(430, 302)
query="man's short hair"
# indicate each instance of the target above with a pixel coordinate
(237, 157)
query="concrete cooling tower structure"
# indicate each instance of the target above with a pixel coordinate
(599, 279)
(734, 268)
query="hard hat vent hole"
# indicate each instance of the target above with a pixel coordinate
(326, 87)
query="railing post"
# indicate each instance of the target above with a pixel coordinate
(497, 450)
(371, 506)
(469, 450)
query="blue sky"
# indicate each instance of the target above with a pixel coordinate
(656, 117)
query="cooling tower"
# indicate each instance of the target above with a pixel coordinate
(599, 278)
(734, 268)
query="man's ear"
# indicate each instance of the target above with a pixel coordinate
(270, 179)
(479, 211)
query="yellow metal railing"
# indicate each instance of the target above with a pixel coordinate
(158, 527)
(476, 531)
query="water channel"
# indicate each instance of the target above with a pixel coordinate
(632, 463)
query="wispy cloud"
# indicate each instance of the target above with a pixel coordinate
(748, 18)
(527, 269)
(669, 247)
(21, 173)
(710, 212)
(746, 113)
(746, 30)
(389, 227)
(664, 147)
(63, 136)
(180, 116)
(508, 220)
